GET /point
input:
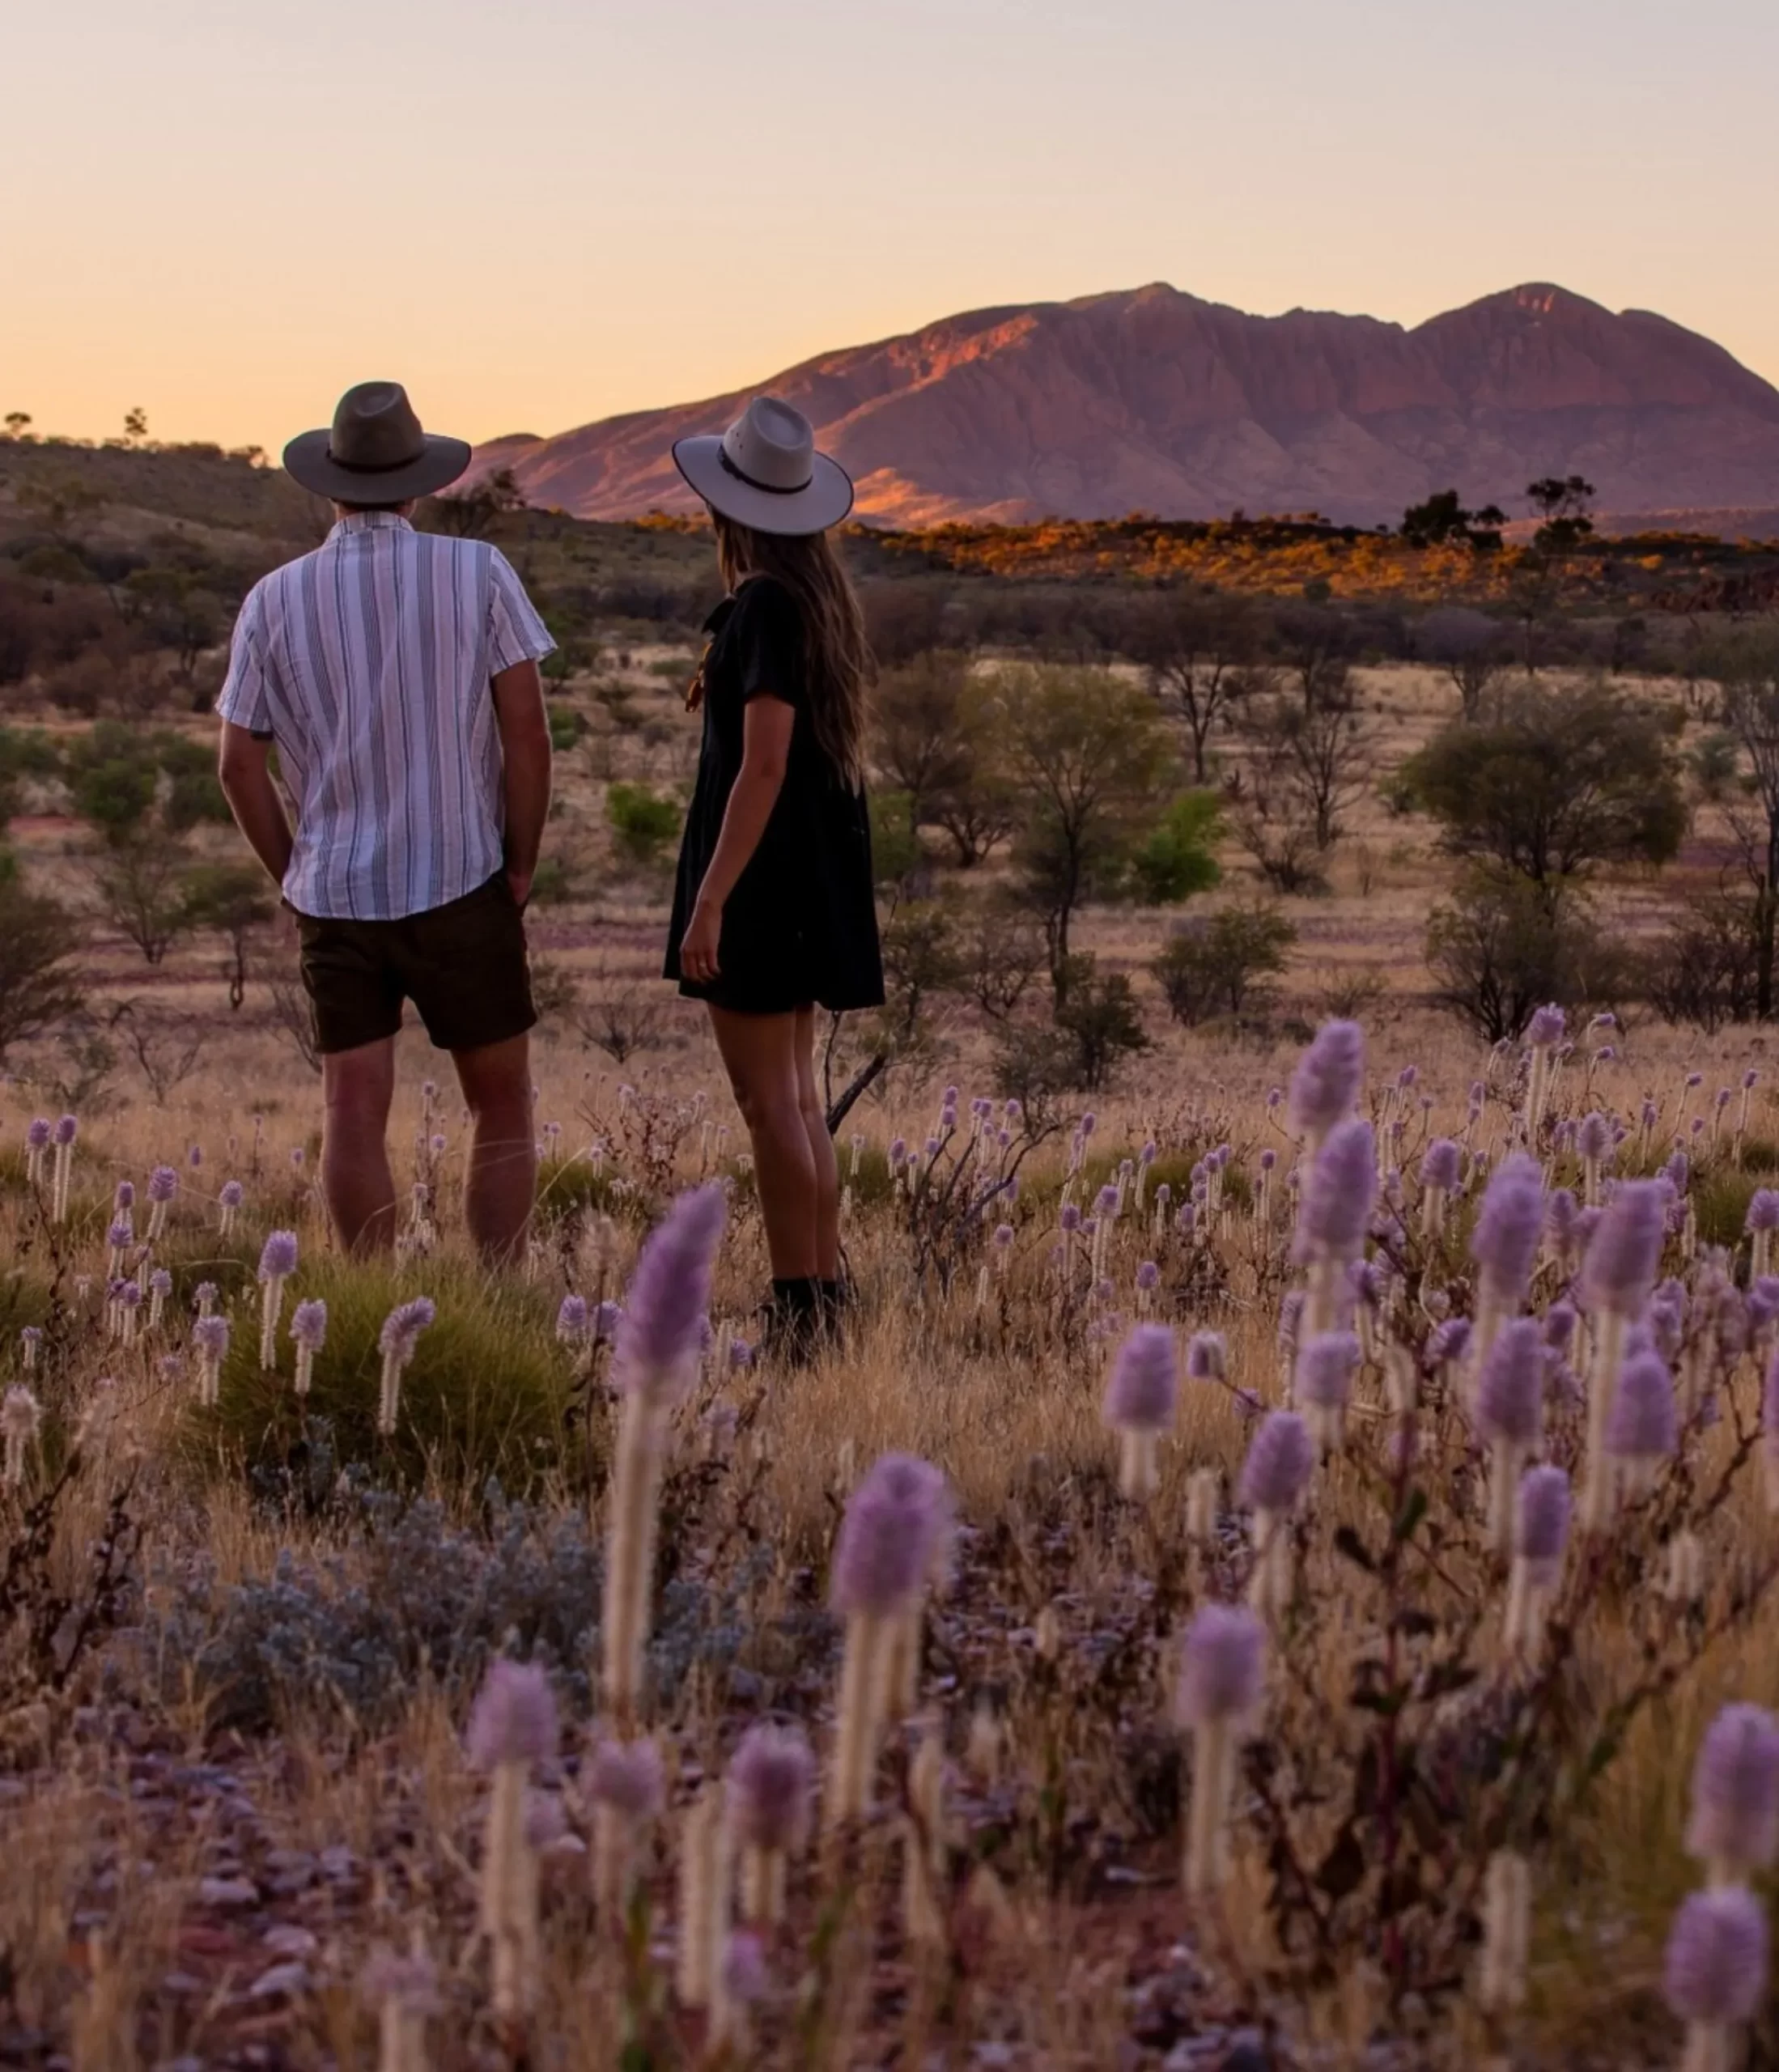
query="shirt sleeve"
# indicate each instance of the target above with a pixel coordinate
(768, 632)
(245, 700)
(516, 633)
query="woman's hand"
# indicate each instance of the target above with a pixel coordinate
(698, 945)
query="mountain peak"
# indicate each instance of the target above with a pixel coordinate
(1152, 399)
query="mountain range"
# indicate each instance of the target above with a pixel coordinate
(1154, 400)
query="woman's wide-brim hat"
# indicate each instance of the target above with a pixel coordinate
(374, 451)
(765, 472)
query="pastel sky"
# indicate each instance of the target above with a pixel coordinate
(537, 212)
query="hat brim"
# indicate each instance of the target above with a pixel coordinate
(823, 500)
(307, 462)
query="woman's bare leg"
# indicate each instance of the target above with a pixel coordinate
(827, 1169)
(759, 1055)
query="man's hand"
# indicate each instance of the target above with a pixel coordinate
(524, 725)
(244, 771)
(698, 945)
(518, 885)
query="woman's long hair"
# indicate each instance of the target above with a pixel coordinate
(837, 665)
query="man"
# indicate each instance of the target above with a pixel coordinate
(396, 673)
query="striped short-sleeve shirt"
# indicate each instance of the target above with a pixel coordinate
(367, 663)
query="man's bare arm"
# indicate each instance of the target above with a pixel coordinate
(243, 767)
(524, 748)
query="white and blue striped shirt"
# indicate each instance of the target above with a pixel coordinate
(367, 663)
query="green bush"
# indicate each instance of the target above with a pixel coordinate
(1175, 860)
(644, 823)
(567, 724)
(895, 847)
(1219, 966)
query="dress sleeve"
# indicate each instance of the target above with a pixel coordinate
(245, 700)
(516, 633)
(767, 630)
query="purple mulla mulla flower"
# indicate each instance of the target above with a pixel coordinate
(1325, 1082)
(625, 1777)
(1186, 1219)
(194, 1158)
(1268, 1159)
(162, 1184)
(1368, 1282)
(1625, 1250)
(1763, 1210)
(130, 1295)
(571, 1319)
(1223, 1655)
(898, 1154)
(1207, 1357)
(1290, 1316)
(1106, 1201)
(1448, 1341)
(233, 1194)
(1143, 1387)
(1146, 1156)
(1678, 1171)
(1407, 1077)
(1546, 1027)
(204, 1292)
(1014, 1111)
(308, 1326)
(1322, 1377)
(160, 1282)
(1440, 1165)
(1281, 1459)
(1764, 1303)
(1594, 1137)
(1735, 1817)
(514, 1718)
(1695, 1079)
(770, 1782)
(67, 1129)
(210, 1335)
(401, 1328)
(1003, 1236)
(121, 1235)
(1071, 1217)
(741, 1354)
(1643, 1425)
(124, 1196)
(1148, 1276)
(1714, 1970)
(278, 1256)
(1505, 1242)
(1560, 1321)
(1510, 1389)
(1541, 1521)
(37, 1134)
(930, 1148)
(890, 1539)
(1337, 1200)
(606, 1319)
(670, 1295)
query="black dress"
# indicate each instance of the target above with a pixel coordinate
(801, 926)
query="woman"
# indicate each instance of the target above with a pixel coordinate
(773, 912)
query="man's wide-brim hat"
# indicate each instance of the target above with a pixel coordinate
(765, 472)
(374, 451)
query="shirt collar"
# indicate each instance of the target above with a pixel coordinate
(369, 521)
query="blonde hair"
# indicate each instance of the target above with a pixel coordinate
(838, 667)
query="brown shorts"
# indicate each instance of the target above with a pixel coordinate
(463, 965)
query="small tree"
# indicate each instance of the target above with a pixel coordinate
(1220, 965)
(1747, 673)
(471, 513)
(1705, 969)
(1089, 755)
(1470, 650)
(38, 938)
(1562, 781)
(143, 890)
(1501, 948)
(1196, 646)
(236, 902)
(1176, 860)
(1307, 765)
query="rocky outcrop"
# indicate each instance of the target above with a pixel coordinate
(1154, 400)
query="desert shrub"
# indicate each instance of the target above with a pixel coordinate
(895, 847)
(1499, 950)
(567, 724)
(486, 1394)
(1176, 859)
(1705, 969)
(412, 1596)
(1219, 966)
(644, 823)
(38, 940)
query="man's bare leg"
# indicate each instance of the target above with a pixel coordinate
(357, 1087)
(503, 1186)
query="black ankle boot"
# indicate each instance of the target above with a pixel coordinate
(834, 1301)
(794, 1324)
